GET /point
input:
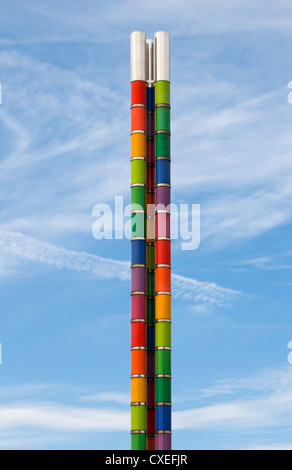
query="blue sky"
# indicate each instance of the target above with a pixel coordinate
(64, 296)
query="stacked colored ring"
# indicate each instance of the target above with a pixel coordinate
(163, 245)
(138, 245)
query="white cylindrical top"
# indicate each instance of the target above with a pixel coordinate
(162, 56)
(138, 56)
(150, 62)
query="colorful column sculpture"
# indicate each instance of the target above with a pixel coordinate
(163, 241)
(151, 243)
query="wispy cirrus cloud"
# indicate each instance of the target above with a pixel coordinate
(241, 170)
(58, 111)
(267, 263)
(51, 114)
(23, 247)
(27, 248)
(68, 21)
(245, 217)
(63, 418)
(190, 289)
(269, 380)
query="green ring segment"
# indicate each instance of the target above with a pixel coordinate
(138, 417)
(138, 441)
(162, 328)
(163, 334)
(138, 174)
(163, 390)
(162, 92)
(163, 362)
(138, 196)
(162, 145)
(162, 120)
(138, 224)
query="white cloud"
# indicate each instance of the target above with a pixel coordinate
(260, 262)
(54, 114)
(268, 380)
(227, 415)
(58, 111)
(32, 249)
(63, 418)
(190, 289)
(240, 168)
(238, 414)
(232, 218)
(114, 397)
(230, 140)
(266, 263)
(270, 406)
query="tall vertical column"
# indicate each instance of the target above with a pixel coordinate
(150, 255)
(163, 242)
(138, 243)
